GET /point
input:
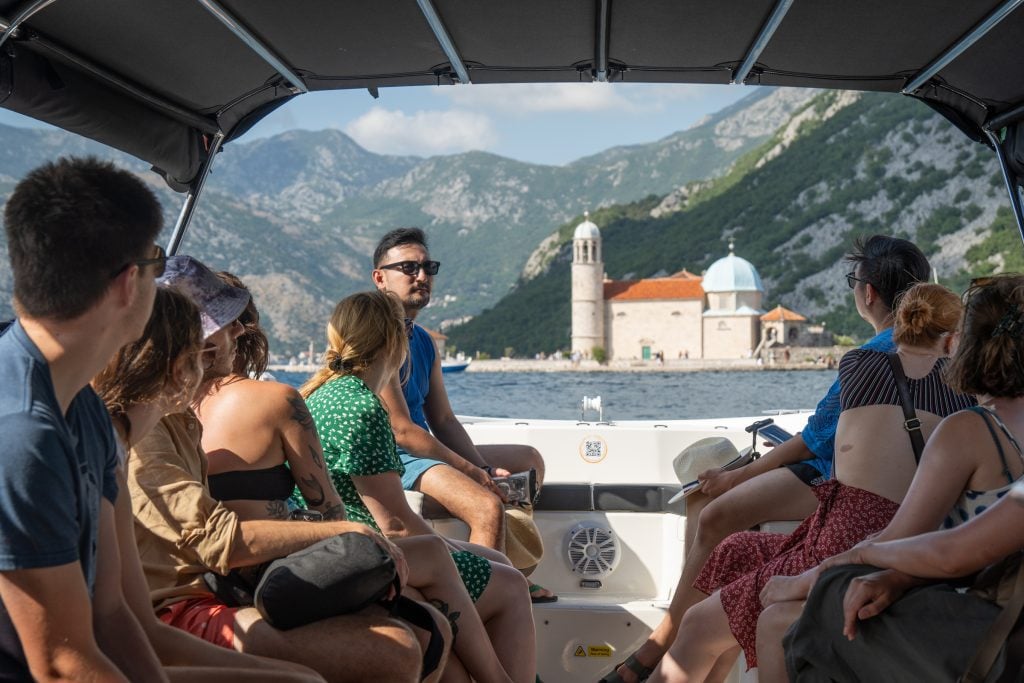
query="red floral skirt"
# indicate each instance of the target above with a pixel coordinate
(743, 563)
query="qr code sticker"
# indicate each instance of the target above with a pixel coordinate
(593, 449)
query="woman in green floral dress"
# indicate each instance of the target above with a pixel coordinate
(367, 344)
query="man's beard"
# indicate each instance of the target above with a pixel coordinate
(416, 300)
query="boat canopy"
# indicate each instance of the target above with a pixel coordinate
(169, 80)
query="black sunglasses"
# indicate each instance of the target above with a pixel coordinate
(160, 261)
(411, 268)
(852, 279)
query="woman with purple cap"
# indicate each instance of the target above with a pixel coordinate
(154, 375)
(184, 534)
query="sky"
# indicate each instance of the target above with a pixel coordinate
(539, 123)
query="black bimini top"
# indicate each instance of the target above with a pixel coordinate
(166, 80)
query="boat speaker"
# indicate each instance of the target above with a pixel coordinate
(593, 550)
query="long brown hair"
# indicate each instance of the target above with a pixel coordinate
(363, 328)
(990, 357)
(252, 350)
(140, 371)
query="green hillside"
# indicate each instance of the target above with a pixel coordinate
(879, 164)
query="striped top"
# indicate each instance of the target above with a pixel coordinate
(865, 379)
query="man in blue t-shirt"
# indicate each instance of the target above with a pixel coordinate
(440, 459)
(778, 485)
(80, 238)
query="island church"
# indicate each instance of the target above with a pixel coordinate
(682, 315)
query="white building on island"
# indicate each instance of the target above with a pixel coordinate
(682, 315)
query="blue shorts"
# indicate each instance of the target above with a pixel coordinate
(807, 472)
(414, 468)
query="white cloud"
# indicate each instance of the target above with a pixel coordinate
(528, 98)
(523, 98)
(387, 131)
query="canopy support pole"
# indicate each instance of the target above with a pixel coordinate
(601, 40)
(763, 38)
(960, 46)
(257, 45)
(1011, 185)
(189, 205)
(30, 10)
(445, 40)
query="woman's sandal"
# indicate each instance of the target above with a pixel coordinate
(633, 664)
(537, 599)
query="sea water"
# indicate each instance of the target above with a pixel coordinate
(629, 395)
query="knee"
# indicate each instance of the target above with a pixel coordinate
(434, 546)
(404, 656)
(715, 523)
(510, 579)
(487, 509)
(513, 587)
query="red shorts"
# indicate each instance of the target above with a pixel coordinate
(206, 618)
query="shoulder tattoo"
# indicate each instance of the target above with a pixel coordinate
(300, 414)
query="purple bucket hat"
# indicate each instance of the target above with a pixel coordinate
(219, 303)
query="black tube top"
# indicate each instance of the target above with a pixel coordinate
(272, 483)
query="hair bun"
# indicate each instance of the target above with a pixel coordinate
(915, 316)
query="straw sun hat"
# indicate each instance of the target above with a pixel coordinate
(702, 455)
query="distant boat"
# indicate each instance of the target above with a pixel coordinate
(454, 365)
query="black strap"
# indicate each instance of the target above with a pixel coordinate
(985, 416)
(912, 423)
(419, 616)
(985, 656)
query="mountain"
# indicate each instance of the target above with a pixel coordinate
(843, 165)
(297, 216)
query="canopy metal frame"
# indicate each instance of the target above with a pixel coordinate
(763, 38)
(188, 207)
(261, 48)
(31, 9)
(601, 38)
(961, 46)
(1013, 188)
(444, 40)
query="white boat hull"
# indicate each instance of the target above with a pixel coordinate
(595, 625)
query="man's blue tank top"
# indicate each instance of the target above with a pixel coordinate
(415, 373)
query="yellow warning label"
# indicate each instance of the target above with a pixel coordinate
(599, 651)
(579, 652)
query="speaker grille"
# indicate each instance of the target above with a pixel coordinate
(593, 550)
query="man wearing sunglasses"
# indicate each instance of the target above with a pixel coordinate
(80, 238)
(440, 459)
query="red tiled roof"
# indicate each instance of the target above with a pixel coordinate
(655, 288)
(433, 334)
(779, 313)
(684, 273)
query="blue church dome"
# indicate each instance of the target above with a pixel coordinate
(732, 274)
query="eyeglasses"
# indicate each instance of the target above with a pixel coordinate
(852, 279)
(411, 268)
(160, 261)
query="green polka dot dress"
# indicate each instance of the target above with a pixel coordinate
(357, 440)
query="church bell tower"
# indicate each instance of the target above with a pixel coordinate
(587, 288)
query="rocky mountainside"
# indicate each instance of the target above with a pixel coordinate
(843, 164)
(297, 215)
